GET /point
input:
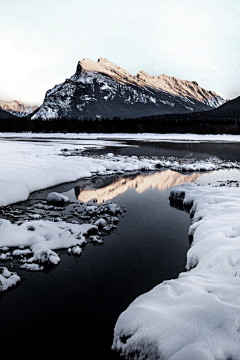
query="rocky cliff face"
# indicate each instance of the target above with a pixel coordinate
(104, 90)
(17, 108)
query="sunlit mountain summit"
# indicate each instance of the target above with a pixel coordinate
(105, 90)
(17, 108)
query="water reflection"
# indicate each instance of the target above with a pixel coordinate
(102, 191)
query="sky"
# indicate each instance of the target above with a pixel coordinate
(41, 42)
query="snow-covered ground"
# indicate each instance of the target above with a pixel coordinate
(196, 316)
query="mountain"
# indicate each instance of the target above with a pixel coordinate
(104, 90)
(4, 115)
(231, 109)
(17, 108)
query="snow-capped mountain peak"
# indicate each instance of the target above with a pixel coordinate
(17, 108)
(103, 89)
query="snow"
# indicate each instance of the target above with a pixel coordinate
(38, 165)
(100, 222)
(197, 315)
(57, 198)
(112, 208)
(32, 267)
(76, 250)
(7, 279)
(99, 139)
(42, 238)
(95, 239)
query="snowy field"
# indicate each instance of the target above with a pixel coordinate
(196, 316)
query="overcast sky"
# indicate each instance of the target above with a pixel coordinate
(41, 41)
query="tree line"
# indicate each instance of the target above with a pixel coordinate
(199, 123)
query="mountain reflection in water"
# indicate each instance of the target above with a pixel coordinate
(141, 182)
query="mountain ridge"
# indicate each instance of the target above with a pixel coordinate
(104, 90)
(17, 108)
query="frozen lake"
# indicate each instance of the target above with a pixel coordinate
(80, 299)
(194, 149)
(76, 304)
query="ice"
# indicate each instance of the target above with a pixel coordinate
(197, 315)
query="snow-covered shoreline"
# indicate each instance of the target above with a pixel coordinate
(126, 136)
(196, 316)
(28, 166)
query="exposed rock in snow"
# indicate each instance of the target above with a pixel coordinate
(103, 89)
(196, 316)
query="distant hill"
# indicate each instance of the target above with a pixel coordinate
(104, 90)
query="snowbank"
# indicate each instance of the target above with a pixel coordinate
(196, 316)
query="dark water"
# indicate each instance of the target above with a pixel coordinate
(74, 306)
(201, 151)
